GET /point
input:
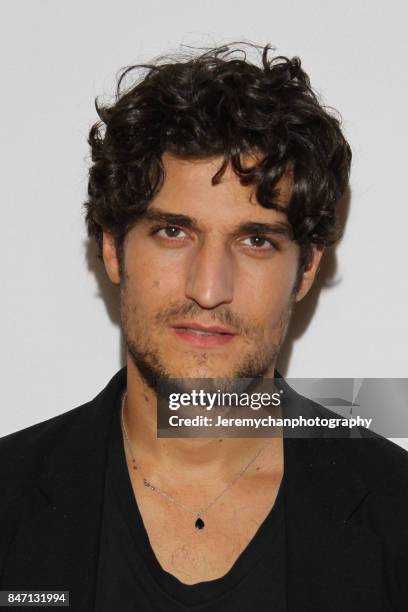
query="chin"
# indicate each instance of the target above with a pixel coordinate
(199, 373)
(212, 371)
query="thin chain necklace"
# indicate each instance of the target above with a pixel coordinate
(199, 523)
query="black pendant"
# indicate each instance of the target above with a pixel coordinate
(199, 523)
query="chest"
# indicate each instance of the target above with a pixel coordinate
(195, 555)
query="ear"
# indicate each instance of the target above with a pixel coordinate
(110, 258)
(310, 272)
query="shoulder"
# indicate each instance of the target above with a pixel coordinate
(23, 452)
(35, 439)
(35, 433)
(377, 459)
(380, 462)
(368, 451)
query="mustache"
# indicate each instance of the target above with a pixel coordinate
(222, 317)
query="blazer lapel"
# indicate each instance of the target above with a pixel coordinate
(332, 563)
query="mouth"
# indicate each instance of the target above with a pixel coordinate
(201, 336)
(202, 333)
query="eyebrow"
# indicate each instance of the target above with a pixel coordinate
(279, 228)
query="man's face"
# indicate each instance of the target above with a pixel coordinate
(205, 268)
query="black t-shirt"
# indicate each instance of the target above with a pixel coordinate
(131, 579)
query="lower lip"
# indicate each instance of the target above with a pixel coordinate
(201, 339)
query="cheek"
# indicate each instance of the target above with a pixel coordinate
(151, 285)
(150, 270)
(270, 286)
(145, 267)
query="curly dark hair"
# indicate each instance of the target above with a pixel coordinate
(218, 104)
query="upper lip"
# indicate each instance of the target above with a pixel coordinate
(220, 329)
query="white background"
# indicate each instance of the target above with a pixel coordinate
(60, 340)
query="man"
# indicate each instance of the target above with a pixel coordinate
(212, 196)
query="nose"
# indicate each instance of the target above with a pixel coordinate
(210, 276)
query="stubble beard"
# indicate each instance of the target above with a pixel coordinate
(146, 355)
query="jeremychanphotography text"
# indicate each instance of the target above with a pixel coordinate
(268, 422)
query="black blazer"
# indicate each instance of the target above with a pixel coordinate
(346, 512)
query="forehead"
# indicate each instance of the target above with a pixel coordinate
(187, 189)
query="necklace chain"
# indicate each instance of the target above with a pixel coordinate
(148, 484)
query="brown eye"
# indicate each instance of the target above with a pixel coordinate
(170, 231)
(260, 242)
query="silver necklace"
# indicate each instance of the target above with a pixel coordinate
(199, 523)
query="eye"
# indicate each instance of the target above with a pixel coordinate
(260, 242)
(168, 231)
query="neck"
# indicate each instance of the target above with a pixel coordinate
(198, 459)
